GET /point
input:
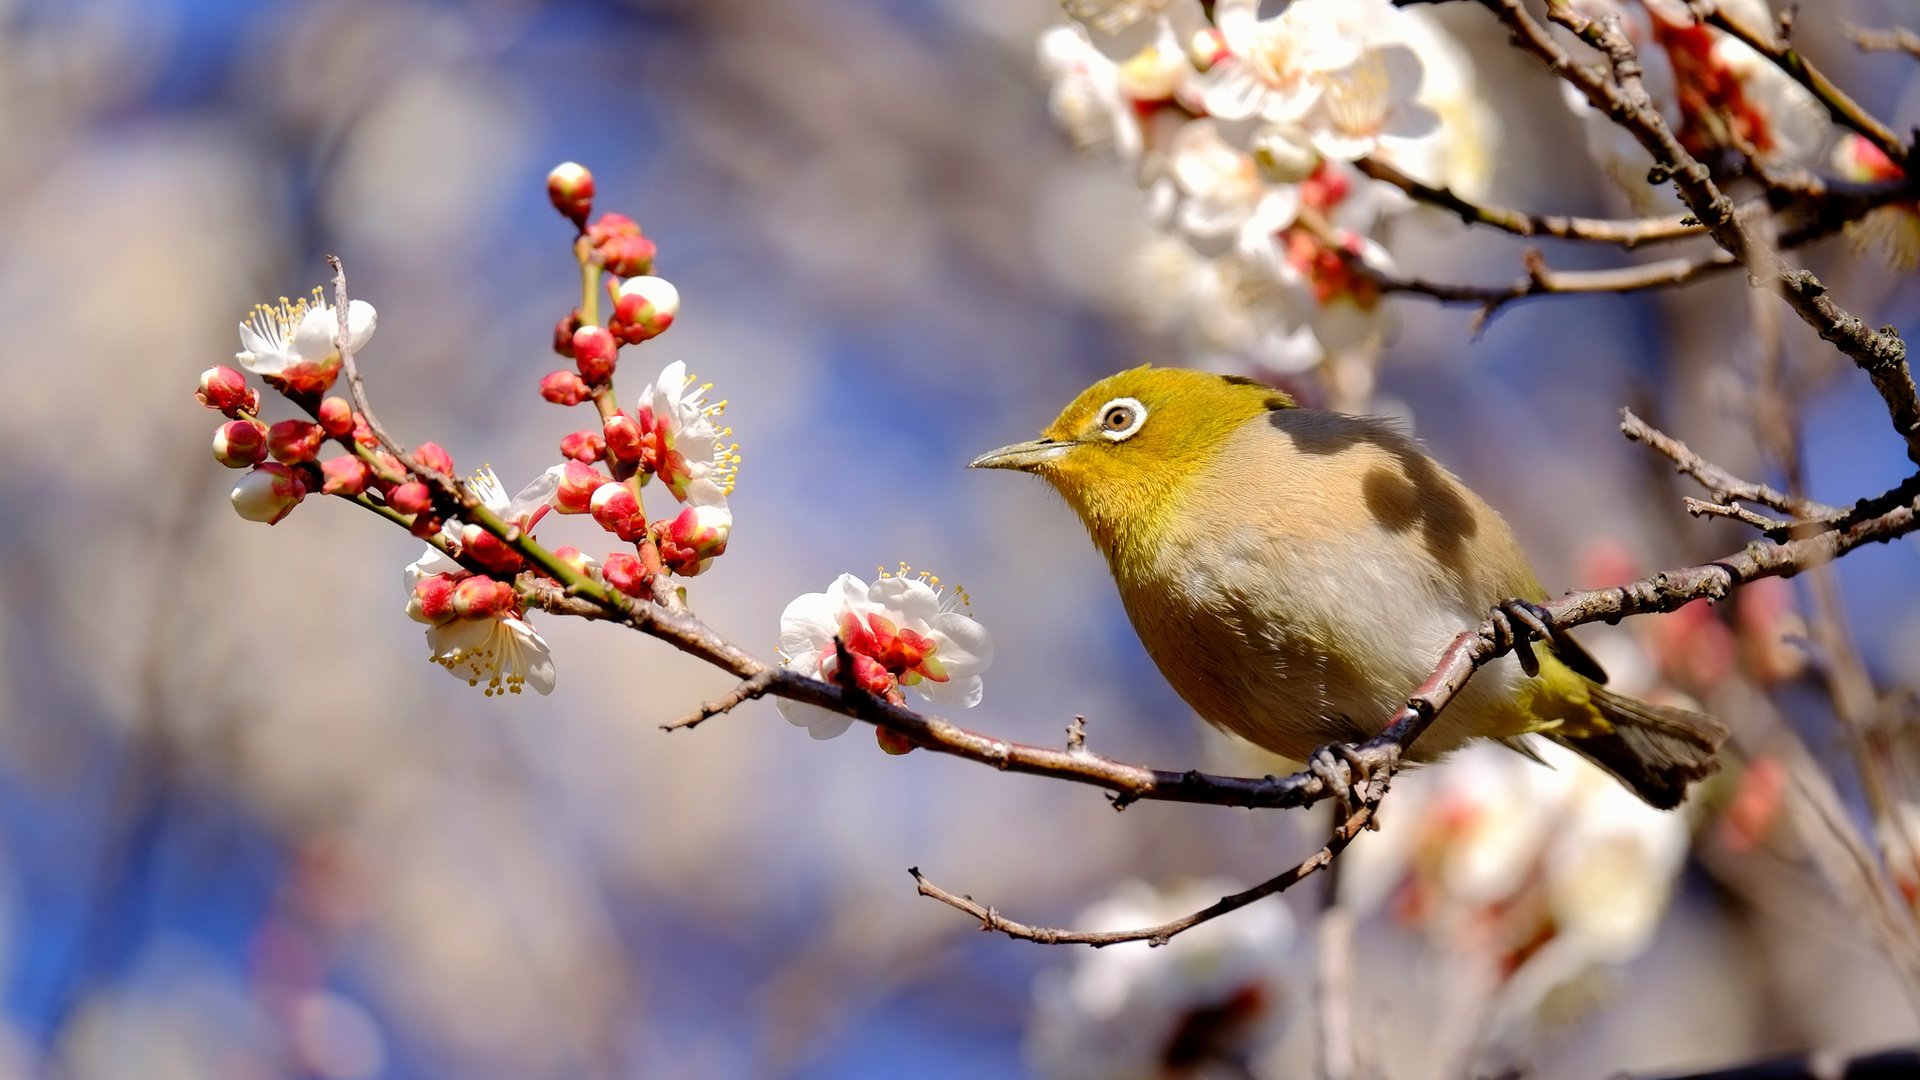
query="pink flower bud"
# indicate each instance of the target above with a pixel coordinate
(489, 550)
(364, 435)
(643, 309)
(432, 600)
(433, 457)
(336, 418)
(609, 226)
(617, 509)
(595, 351)
(577, 484)
(294, 441)
(411, 497)
(482, 598)
(426, 525)
(564, 387)
(627, 574)
(240, 444)
(579, 560)
(268, 493)
(627, 256)
(693, 539)
(586, 445)
(387, 466)
(226, 390)
(344, 475)
(623, 436)
(563, 332)
(570, 186)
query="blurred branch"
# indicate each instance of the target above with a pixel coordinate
(1881, 354)
(1897, 39)
(1333, 953)
(1819, 1065)
(1844, 110)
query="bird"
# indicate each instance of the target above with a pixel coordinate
(1295, 572)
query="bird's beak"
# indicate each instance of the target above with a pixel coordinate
(1025, 457)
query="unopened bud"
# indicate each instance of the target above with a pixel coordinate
(578, 482)
(570, 186)
(595, 351)
(624, 438)
(240, 444)
(617, 509)
(344, 475)
(268, 493)
(627, 574)
(892, 742)
(581, 562)
(224, 389)
(489, 550)
(563, 332)
(411, 497)
(336, 417)
(292, 442)
(643, 309)
(694, 538)
(585, 445)
(1284, 154)
(564, 388)
(426, 525)
(482, 598)
(364, 435)
(608, 226)
(627, 256)
(434, 458)
(432, 600)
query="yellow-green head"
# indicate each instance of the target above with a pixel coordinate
(1129, 442)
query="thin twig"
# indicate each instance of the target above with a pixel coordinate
(1721, 484)
(1333, 951)
(1897, 39)
(752, 687)
(1844, 110)
(1625, 233)
(1767, 526)
(992, 920)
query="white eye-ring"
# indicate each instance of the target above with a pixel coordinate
(1121, 417)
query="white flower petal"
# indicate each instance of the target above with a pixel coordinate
(360, 323)
(956, 692)
(908, 601)
(965, 648)
(808, 626)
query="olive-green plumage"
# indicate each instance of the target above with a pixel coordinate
(1294, 573)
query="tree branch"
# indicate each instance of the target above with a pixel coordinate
(1625, 233)
(1897, 39)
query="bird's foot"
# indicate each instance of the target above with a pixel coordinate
(1517, 624)
(1355, 775)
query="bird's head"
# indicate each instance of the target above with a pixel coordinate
(1129, 441)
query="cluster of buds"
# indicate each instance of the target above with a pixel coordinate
(472, 585)
(672, 432)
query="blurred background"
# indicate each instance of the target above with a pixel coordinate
(245, 831)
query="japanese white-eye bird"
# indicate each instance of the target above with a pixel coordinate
(1296, 573)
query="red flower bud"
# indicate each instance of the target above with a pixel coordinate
(570, 186)
(411, 497)
(595, 351)
(563, 333)
(364, 435)
(643, 309)
(336, 417)
(226, 390)
(577, 485)
(433, 457)
(425, 525)
(627, 256)
(585, 445)
(693, 539)
(489, 550)
(617, 509)
(627, 574)
(268, 493)
(564, 388)
(344, 475)
(624, 439)
(240, 444)
(294, 441)
(482, 598)
(432, 600)
(609, 226)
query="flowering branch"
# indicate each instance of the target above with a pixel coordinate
(1842, 108)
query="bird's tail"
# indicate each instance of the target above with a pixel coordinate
(1657, 750)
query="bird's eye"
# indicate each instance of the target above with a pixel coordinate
(1121, 417)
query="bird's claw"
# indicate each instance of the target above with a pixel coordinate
(1517, 624)
(1355, 776)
